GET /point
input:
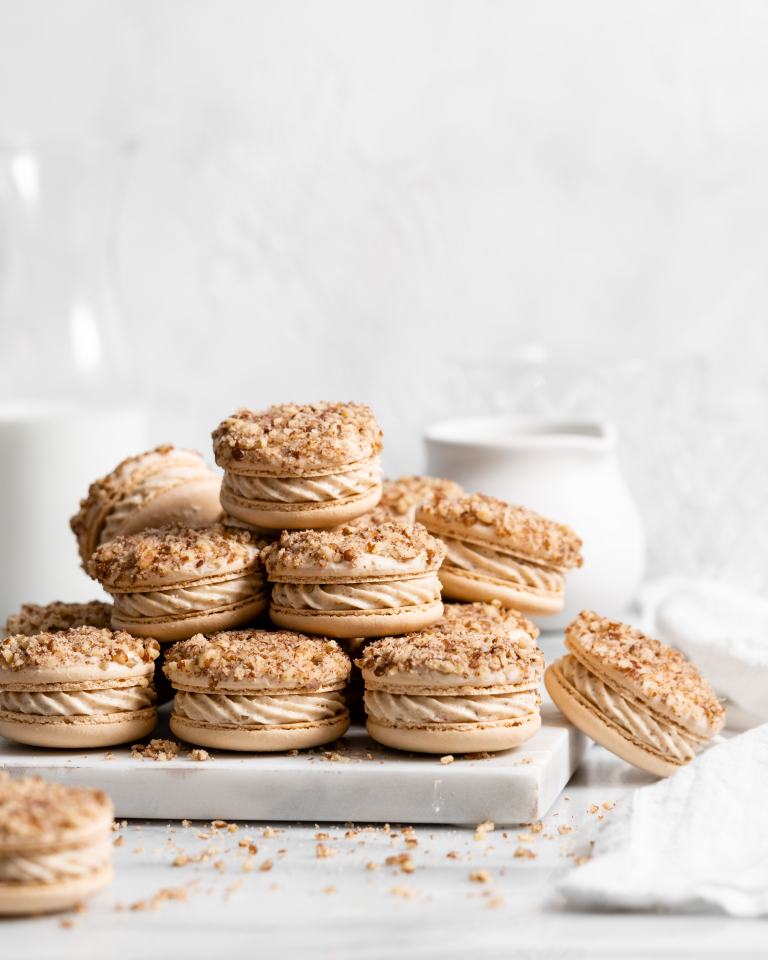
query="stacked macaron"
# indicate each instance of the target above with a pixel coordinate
(33, 618)
(84, 687)
(55, 845)
(295, 467)
(497, 551)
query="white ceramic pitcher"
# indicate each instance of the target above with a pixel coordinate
(567, 471)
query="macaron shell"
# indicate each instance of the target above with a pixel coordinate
(271, 515)
(600, 729)
(444, 738)
(263, 739)
(194, 503)
(22, 899)
(69, 733)
(466, 586)
(346, 625)
(171, 629)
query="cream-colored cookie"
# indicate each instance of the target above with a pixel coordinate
(84, 687)
(497, 551)
(55, 845)
(634, 695)
(161, 486)
(255, 690)
(453, 688)
(299, 466)
(355, 581)
(173, 582)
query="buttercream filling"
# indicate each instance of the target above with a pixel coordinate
(170, 476)
(177, 600)
(54, 867)
(357, 596)
(335, 486)
(74, 703)
(502, 566)
(637, 720)
(406, 710)
(245, 710)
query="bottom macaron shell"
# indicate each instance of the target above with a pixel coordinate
(19, 899)
(456, 737)
(600, 729)
(263, 739)
(468, 587)
(299, 516)
(171, 629)
(346, 625)
(75, 732)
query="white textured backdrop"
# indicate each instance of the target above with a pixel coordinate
(379, 199)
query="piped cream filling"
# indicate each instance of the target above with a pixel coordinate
(76, 703)
(637, 720)
(182, 600)
(501, 566)
(357, 596)
(257, 710)
(335, 486)
(397, 709)
(55, 867)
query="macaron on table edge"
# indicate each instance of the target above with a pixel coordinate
(288, 602)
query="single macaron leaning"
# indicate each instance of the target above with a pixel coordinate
(454, 688)
(84, 687)
(173, 582)
(497, 551)
(634, 695)
(33, 618)
(355, 581)
(161, 486)
(299, 466)
(256, 690)
(55, 845)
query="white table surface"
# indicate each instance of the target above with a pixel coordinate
(334, 907)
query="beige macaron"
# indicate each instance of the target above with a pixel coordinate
(453, 688)
(496, 551)
(637, 697)
(55, 845)
(173, 582)
(297, 467)
(164, 485)
(256, 690)
(355, 581)
(84, 687)
(33, 618)
(401, 497)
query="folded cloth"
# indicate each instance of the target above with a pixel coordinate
(724, 631)
(695, 841)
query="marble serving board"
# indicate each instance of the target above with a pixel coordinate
(352, 780)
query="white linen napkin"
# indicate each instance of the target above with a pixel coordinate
(698, 840)
(724, 631)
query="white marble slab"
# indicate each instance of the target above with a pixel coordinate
(368, 784)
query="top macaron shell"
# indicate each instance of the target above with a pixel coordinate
(33, 618)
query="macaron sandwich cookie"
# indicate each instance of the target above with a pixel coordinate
(496, 551)
(400, 498)
(296, 467)
(32, 618)
(637, 697)
(83, 687)
(173, 582)
(55, 845)
(164, 485)
(255, 690)
(454, 688)
(355, 581)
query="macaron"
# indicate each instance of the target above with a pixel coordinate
(355, 581)
(161, 486)
(453, 688)
(55, 845)
(482, 612)
(401, 497)
(84, 687)
(173, 582)
(634, 695)
(497, 551)
(256, 690)
(33, 618)
(299, 466)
